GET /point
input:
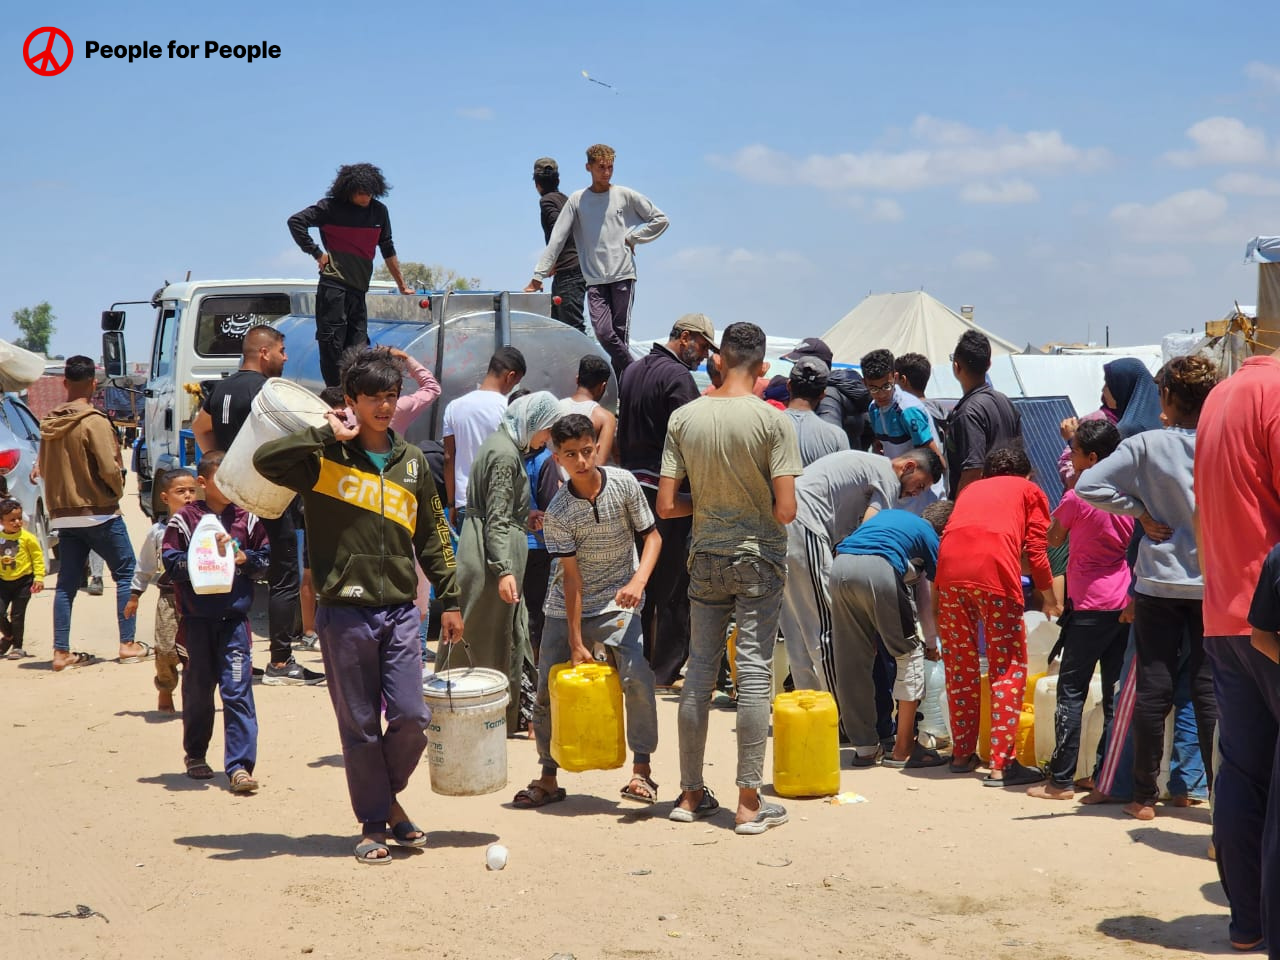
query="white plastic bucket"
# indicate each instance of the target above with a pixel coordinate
(467, 736)
(280, 408)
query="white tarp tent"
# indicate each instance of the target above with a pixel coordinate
(19, 368)
(905, 323)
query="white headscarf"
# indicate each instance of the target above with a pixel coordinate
(531, 413)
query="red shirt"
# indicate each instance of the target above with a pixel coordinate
(989, 529)
(1237, 490)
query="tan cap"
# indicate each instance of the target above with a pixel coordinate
(698, 323)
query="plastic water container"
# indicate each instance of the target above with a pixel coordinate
(935, 724)
(806, 744)
(280, 409)
(1046, 703)
(210, 571)
(1042, 634)
(781, 666)
(586, 717)
(467, 735)
(1090, 735)
(1024, 743)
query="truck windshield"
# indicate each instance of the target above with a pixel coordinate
(223, 321)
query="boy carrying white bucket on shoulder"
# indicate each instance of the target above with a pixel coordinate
(215, 629)
(371, 507)
(591, 527)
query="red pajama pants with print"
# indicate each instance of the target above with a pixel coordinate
(961, 610)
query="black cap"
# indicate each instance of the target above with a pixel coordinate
(811, 347)
(545, 167)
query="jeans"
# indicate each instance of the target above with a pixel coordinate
(1092, 637)
(218, 656)
(633, 670)
(109, 540)
(748, 590)
(1246, 794)
(537, 578)
(1158, 627)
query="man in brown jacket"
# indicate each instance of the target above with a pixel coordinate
(83, 483)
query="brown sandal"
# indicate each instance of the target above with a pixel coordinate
(641, 788)
(534, 796)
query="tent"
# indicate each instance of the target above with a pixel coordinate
(905, 323)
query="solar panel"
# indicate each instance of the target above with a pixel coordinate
(1042, 436)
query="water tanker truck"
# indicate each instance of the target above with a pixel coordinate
(200, 324)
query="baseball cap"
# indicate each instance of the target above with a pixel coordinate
(810, 370)
(545, 167)
(698, 323)
(811, 347)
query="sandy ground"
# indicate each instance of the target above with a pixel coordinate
(933, 865)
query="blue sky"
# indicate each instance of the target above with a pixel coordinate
(1060, 168)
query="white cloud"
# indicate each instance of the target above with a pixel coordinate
(1006, 191)
(476, 113)
(974, 260)
(290, 262)
(1221, 140)
(1152, 265)
(947, 153)
(1265, 74)
(884, 210)
(1181, 216)
(1248, 184)
(738, 260)
(876, 210)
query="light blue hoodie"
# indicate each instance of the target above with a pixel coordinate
(1152, 472)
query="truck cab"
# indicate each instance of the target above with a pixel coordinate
(199, 326)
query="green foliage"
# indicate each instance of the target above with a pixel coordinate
(423, 276)
(36, 325)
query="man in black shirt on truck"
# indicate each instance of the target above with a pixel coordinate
(352, 221)
(567, 283)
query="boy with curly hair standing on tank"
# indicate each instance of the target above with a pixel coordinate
(352, 221)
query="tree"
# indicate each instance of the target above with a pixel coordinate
(423, 276)
(36, 324)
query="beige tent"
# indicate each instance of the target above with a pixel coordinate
(904, 323)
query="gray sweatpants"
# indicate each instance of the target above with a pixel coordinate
(868, 597)
(806, 609)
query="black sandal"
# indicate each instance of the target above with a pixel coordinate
(1015, 775)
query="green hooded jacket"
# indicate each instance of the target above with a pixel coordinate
(365, 526)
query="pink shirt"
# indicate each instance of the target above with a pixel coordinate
(1097, 572)
(1237, 490)
(408, 408)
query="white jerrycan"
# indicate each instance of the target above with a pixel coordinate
(210, 572)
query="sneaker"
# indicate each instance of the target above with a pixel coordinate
(707, 806)
(769, 815)
(292, 674)
(308, 641)
(95, 587)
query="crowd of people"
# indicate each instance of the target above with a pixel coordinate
(847, 516)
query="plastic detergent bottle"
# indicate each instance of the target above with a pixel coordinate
(586, 717)
(210, 571)
(806, 744)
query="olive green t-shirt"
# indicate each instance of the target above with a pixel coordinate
(731, 448)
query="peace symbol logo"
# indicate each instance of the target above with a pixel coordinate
(42, 54)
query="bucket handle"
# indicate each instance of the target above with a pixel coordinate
(444, 665)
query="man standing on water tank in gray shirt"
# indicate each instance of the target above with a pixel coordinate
(606, 222)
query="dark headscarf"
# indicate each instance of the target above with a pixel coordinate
(1136, 394)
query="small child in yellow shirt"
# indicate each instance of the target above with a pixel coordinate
(21, 575)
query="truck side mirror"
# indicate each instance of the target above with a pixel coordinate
(113, 352)
(112, 320)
